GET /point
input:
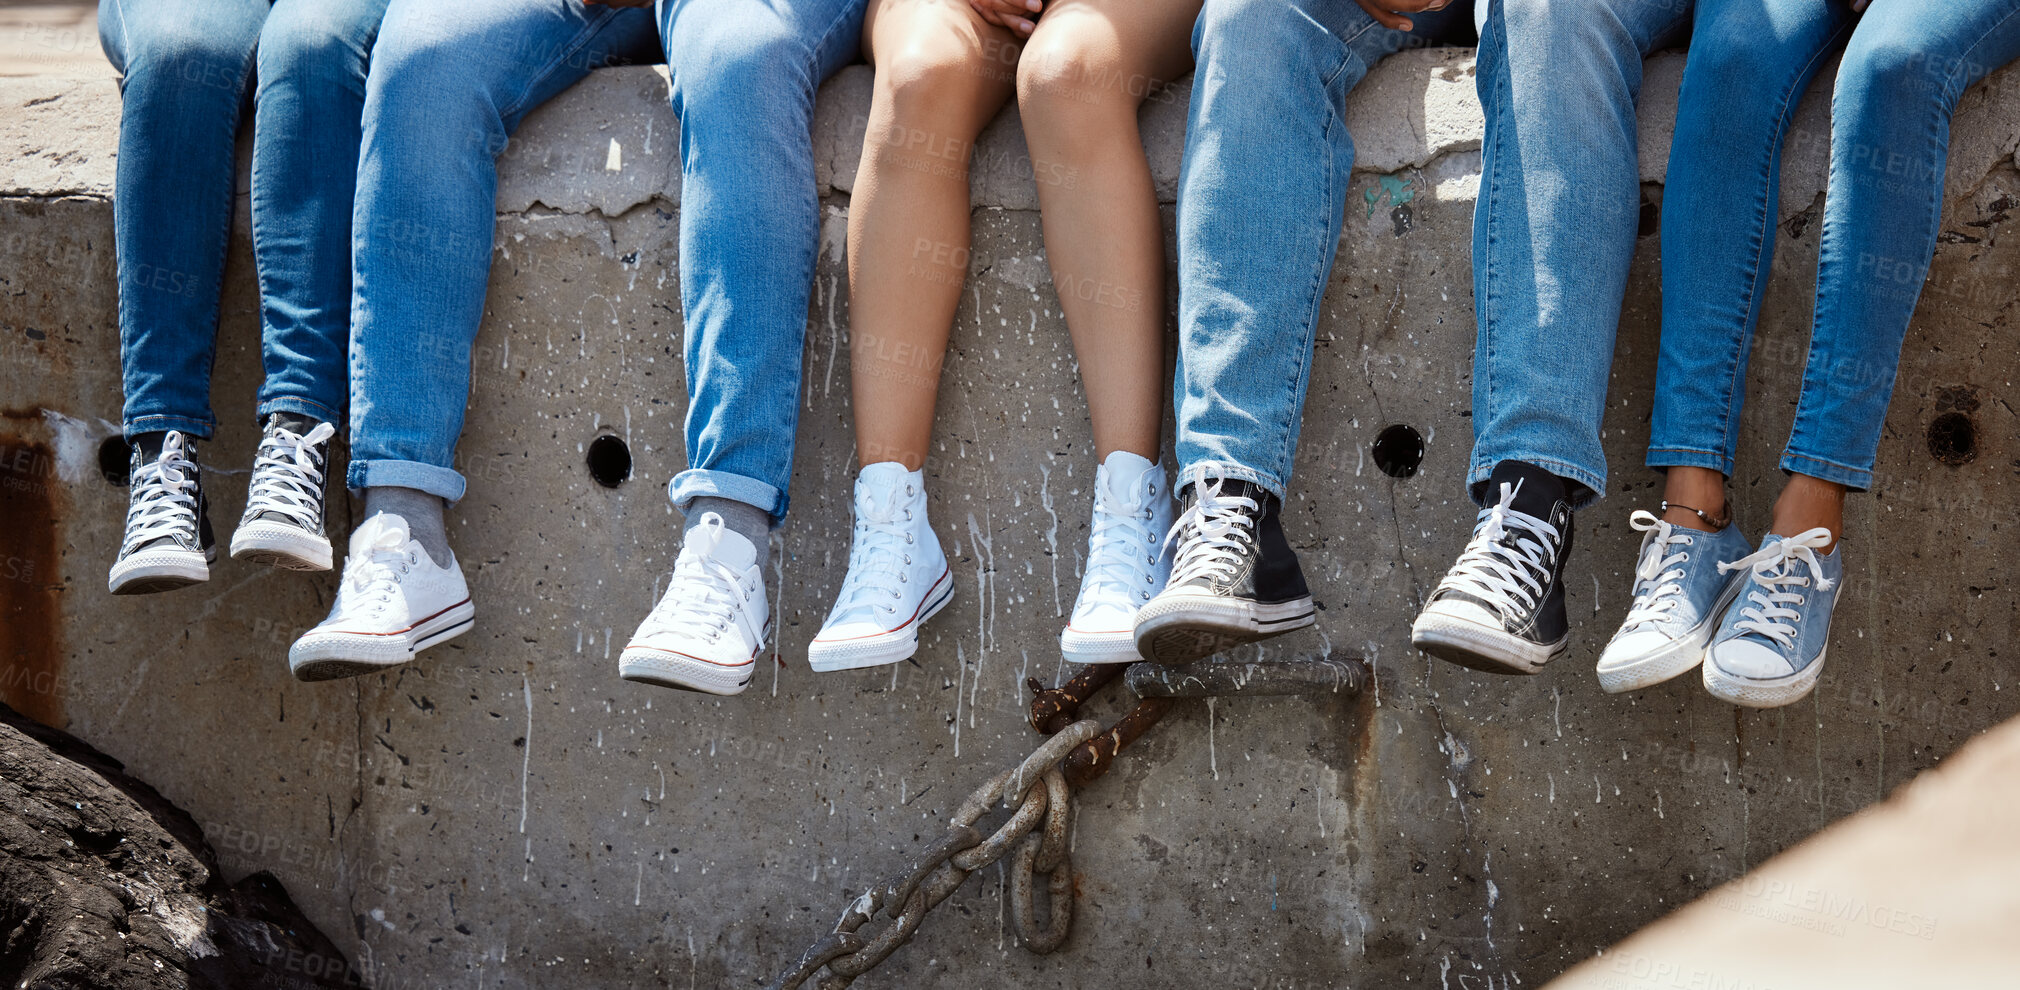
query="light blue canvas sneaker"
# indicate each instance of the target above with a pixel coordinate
(1680, 589)
(1770, 648)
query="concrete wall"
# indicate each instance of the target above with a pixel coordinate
(506, 812)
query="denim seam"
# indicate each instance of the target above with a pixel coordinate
(1286, 452)
(267, 406)
(1483, 321)
(1793, 463)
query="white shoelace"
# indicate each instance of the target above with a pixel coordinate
(164, 496)
(1507, 562)
(1212, 534)
(1773, 570)
(1122, 550)
(1658, 578)
(880, 556)
(705, 595)
(286, 478)
(370, 584)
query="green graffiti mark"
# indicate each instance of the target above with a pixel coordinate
(1390, 191)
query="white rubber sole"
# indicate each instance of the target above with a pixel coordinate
(1775, 692)
(1490, 649)
(1116, 646)
(1621, 675)
(160, 570)
(899, 644)
(281, 545)
(1183, 627)
(686, 672)
(327, 654)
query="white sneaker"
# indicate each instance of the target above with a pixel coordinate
(283, 521)
(393, 603)
(1126, 563)
(897, 579)
(708, 629)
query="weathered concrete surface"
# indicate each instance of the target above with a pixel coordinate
(506, 812)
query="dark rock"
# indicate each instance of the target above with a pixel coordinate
(105, 885)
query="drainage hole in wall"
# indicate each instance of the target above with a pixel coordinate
(1398, 450)
(609, 461)
(1953, 438)
(115, 461)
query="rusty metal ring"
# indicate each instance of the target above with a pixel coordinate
(1049, 754)
(1059, 887)
(831, 946)
(1015, 827)
(897, 891)
(1058, 821)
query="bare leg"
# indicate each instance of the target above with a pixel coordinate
(942, 73)
(1807, 503)
(1085, 71)
(1694, 488)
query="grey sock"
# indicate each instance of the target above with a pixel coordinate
(746, 520)
(423, 513)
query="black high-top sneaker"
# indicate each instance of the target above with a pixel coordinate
(283, 521)
(1500, 609)
(168, 542)
(1234, 579)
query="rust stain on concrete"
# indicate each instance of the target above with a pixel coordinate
(31, 655)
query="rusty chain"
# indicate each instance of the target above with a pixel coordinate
(1076, 754)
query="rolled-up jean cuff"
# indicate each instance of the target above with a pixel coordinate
(437, 481)
(1483, 468)
(202, 429)
(1856, 479)
(693, 484)
(1669, 457)
(1228, 471)
(301, 407)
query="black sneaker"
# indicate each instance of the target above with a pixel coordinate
(283, 521)
(168, 542)
(1234, 579)
(1500, 608)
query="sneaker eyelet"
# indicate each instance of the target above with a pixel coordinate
(909, 490)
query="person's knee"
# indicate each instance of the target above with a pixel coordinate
(1069, 76)
(1896, 63)
(430, 82)
(189, 53)
(727, 67)
(1588, 32)
(1241, 38)
(310, 43)
(929, 79)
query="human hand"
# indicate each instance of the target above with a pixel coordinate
(1389, 13)
(1017, 15)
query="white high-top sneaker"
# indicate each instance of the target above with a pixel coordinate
(1126, 563)
(897, 579)
(393, 603)
(708, 629)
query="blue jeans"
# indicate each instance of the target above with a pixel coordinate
(744, 74)
(1905, 66)
(185, 67)
(1261, 196)
(1554, 228)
